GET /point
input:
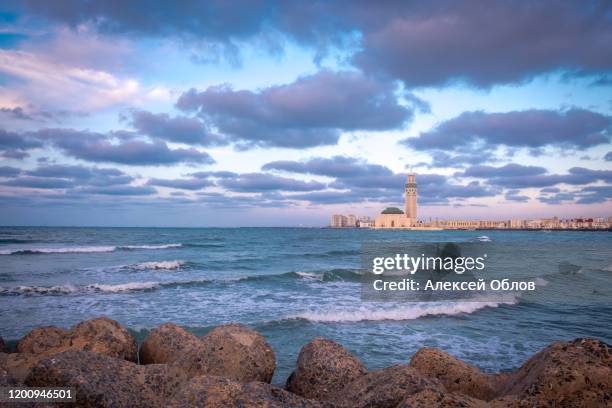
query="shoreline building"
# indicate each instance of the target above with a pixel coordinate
(393, 217)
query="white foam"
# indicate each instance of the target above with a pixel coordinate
(123, 287)
(156, 265)
(483, 238)
(60, 250)
(412, 312)
(164, 246)
(541, 282)
(310, 275)
(39, 290)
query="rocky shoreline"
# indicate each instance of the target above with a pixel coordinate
(233, 365)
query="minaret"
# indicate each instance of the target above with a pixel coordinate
(411, 197)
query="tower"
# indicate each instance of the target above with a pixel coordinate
(410, 189)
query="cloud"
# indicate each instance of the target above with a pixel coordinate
(15, 145)
(422, 43)
(516, 176)
(608, 156)
(482, 132)
(337, 166)
(39, 182)
(311, 111)
(184, 184)
(7, 171)
(258, 182)
(83, 175)
(180, 129)
(118, 190)
(96, 147)
(515, 195)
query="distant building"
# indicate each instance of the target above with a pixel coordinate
(338, 221)
(365, 222)
(351, 221)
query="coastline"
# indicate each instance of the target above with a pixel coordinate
(233, 365)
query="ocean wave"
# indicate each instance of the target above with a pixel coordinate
(333, 275)
(163, 246)
(412, 312)
(483, 238)
(97, 287)
(155, 265)
(541, 281)
(33, 251)
(81, 249)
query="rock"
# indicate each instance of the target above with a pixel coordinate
(103, 336)
(2, 345)
(456, 375)
(565, 374)
(41, 339)
(323, 368)
(431, 398)
(100, 380)
(217, 392)
(4, 378)
(383, 388)
(166, 343)
(232, 351)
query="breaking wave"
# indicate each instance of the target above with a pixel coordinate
(483, 238)
(155, 265)
(412, 312)
(82, 249)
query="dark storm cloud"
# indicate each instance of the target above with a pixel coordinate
(308, 112)
(420, 42)
(516, 176)
(481, 131)
(179, 129)
(257, 182)
(183, 184)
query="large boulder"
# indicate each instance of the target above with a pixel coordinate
(383, 388)
(217, 392)
(431, 398)
(41, 340)
(565, 374)
(456, 375)
(103, 336)
(323, 368)
(232, 351)
(167, 343)
(102, 381)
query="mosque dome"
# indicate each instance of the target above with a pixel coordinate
(392, 210)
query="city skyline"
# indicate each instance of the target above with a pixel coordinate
(282, 113)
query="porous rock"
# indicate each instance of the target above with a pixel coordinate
(565, 374)
(232, 351)
(431, 398)
(166, 343)
(41, 339)
(217, 392)
(323, 368)
(456, 375)
(384, 388)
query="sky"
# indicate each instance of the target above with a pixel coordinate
(282, 113)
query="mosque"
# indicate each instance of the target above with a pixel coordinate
(393, 217)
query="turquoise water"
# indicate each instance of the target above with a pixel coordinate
(294, 284)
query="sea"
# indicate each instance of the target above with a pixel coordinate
(295, 284)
